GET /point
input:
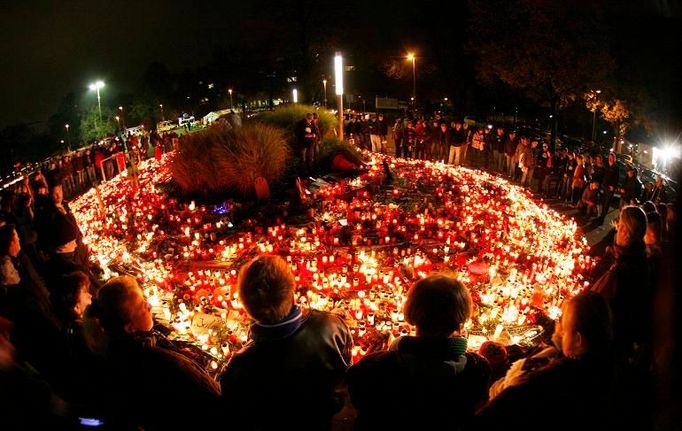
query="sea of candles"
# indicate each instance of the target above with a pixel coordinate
(358, 255)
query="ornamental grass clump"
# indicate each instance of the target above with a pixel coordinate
(220, 160)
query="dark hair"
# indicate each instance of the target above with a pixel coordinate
(438, 305)
(653, 221)
(266, 288)
(649, 207)
(6, 236)
(592, 319)
(67, 293)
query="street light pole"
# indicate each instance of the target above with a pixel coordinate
(411, 56)
(162, 116)
(123, 119)
(231, 104)
(594, 116)
(338, 72)
(96, 86)
(68, 138)
(324, 82)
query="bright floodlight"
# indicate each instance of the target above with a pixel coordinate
(338, 71)
(669, 151)
(97, 85)
(295, 94)
(410, 56)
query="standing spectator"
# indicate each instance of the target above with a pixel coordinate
(305, 141)
(443, 141)
(610, 183)
(510, 146)
(579, 179)
(444, 383)
(598, 169)
(498, 149)
(631, 191)
(382, 129)
(374, 138)
(399, 137)
(410, 140)
(478, 147)
(296, 359)
(457, 143)
(657, 195)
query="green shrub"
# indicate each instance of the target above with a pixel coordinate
(286, 118)
(221, 160)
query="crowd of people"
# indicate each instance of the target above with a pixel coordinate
(584, 180)
(77, 352)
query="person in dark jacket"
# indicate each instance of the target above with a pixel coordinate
(631, 191)
(568, 391)
(610, 183)
(306, 137)
(152, 385)
(288, 375)
(427, 381)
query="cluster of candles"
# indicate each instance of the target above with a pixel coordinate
(365, 245)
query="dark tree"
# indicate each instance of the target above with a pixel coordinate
(552, 51)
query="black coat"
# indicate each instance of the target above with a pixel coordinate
(422, 384)
(156, 388)
(569, 394)
(289, 382)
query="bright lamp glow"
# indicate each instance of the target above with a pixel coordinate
(338, 71)
(295, 94)
(97, 85)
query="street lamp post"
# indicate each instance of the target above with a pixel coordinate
(96, 86)
(118, 121)
(68, 137)
(324, 83)
(413, 58)
(123, 119)
(338, 72)
(594, 116)
(231, 104)
(294, 94)
(162, 116)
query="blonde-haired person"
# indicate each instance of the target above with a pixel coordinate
(296, 358)
(151, 385)
(578, 379)
(443, 382)
(626, 286)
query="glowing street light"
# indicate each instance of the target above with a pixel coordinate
(118, 120)
(294, 93)
(324, 83)
(68, 137)
(411, 57)
(162, 117)
(123, 120)
(229, 90)
(96, 86)
(338, 74)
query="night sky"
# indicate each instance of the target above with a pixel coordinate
(53, 47)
